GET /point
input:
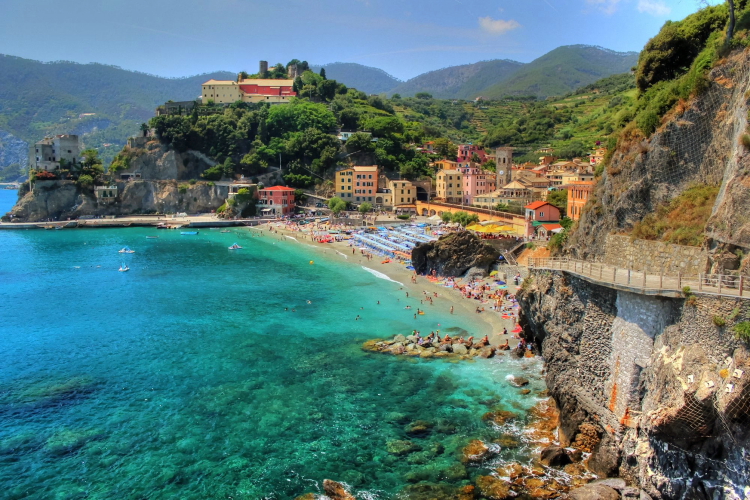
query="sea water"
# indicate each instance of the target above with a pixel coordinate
(204, 372)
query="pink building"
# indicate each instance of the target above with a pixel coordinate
(276, 200)
(466, 151)
(475, 181)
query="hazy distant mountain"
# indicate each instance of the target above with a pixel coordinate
(460, 82)
(365, 78)
(562, 70)
(555, 73)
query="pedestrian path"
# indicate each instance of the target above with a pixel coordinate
(646, 282)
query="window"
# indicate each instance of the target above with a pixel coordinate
(541, 214)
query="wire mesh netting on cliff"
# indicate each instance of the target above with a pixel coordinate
(687, 149)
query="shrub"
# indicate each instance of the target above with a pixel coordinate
(687, 291)
(719, 321)
(192, 182)
(210, 183)
(745, 140)
(742, 331)
(85, 180)
(404, 216)
(182, 188)
(221, 209)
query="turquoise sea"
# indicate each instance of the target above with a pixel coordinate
(187, 378)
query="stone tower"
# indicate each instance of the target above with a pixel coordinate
(263, 68)
(504, 175)
(292, 71)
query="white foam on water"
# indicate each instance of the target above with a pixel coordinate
(380, 275)
(341, 254)
(291, 238)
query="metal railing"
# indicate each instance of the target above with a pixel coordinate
(728, 285)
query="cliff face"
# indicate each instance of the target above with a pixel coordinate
(650, 386)
(161, 188)
(453, 255)
(699, 142)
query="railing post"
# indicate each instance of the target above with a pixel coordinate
(679, 281)
(629, 272)
(700, 282)
(742, 284)
(614, 274)
(661, 279)
(720, 280)
(601, 270)
(644, 278)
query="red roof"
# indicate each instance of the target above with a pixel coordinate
(550, 227)
(537, 204)
(278, 188)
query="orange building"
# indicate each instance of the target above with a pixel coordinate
(579, 193)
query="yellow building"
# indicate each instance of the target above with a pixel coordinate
(448, 186)
(357, 184)
(256, 90)
(402, 193)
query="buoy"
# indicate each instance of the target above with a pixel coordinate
(311, 262)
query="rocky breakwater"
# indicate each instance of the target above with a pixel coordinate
(655, 389)
(456, 348)
(454, 254)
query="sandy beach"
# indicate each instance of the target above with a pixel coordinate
(490, 322)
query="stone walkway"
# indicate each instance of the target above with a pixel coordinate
(647, 283)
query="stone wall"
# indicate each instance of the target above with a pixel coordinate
(630, 375)
(654, 256)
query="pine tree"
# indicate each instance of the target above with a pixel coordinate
(323, 73)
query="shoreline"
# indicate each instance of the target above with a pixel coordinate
(489, 322)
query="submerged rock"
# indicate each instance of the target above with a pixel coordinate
(401, 447)
(494, 488)
(498, 417)
(418, 428)
(336, 491)
(594, 492)
(518, 381)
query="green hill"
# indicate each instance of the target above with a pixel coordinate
(460, 82)
(563, 70)
(365, 78)
(45, 98)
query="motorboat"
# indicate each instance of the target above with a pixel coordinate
(235, 247)
(162, 226)
(151, 237)
(186, 233)
(127, 250)
(226, 231)
(124, 268)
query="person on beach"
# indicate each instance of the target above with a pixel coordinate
(505, 331)
(451, 309)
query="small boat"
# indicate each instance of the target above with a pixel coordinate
(235, 247)
(226, 231)
(59, 227)
(161, 226)
(124, 268)
(188, 232)
(127, 250)
(151, 237)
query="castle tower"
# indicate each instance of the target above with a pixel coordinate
(292, 71)
(263, 68)
(504, 172)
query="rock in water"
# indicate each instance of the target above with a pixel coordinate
(494, 488)
(594, 492)
(336, 491)
(477, 451)
(460, 349)
(401, 447)
(453, 255)
(518, 381)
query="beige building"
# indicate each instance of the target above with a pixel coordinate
(448, 186)
(255, 90)
(357, 184)
(47, 153)
(402, 193)
(512, 193)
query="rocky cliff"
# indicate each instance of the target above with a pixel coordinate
(698, 142)
(652, 387)
(161, 188)
(453, 255)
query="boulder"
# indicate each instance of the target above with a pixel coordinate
(512, 470)
(427, 353)
(518, 381)
(336, 491)
(594, 492)
(453, 474)
(453, 255)
(307, 496)
(486, 352)
(460, 349)
(401, 447)
(494, 488)
(554, 456)
(615, 483)
(525, 391)
(477, 451)
(411, 339)
(399, 338)
(397, 348)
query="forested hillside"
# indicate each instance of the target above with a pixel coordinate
(365, 78)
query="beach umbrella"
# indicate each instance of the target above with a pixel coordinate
(493, 273)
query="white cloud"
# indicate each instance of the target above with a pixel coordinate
(653, 7)
(606, 6)
(497, 26)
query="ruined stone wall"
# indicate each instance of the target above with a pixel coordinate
(654, 256)
(629, 373)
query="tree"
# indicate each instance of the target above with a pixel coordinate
(446, 217)
(85, 180)
(299, 196)
(423, 95)
(365, 207)
(323, 73)
(242, 75)
(336, 205)
(501, 207)
(144, 129)
(359, 143)
(446, 149)
(559, 199)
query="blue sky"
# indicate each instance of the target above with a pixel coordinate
(403, 37)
